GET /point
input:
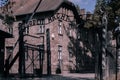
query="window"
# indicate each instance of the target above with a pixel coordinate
(26, 53)
(10, 30)
(70, 52)
(59, 52)
(27, 30)
(41, 29)
(42, 21)
(9, 53)
(60, 27)
(70, 30)
(42, 25)
(59, 55)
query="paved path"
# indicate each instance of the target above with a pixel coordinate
(80, 75)
(59, 77)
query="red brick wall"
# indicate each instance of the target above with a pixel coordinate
(62, 40)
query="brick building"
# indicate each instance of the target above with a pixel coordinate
(3, 36)
(49, 42)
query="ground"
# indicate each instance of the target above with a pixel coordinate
(88, 76)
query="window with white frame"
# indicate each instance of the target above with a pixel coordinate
(26, 53)
(41, 29)
(59, 52)
(27, 30)
(70, 30)
(59, 27)
(42, 26)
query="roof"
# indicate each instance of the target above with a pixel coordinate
(46, 5)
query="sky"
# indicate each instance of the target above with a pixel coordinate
(3, 2)
(89, 5)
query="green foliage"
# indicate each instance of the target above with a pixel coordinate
(112, 8)
(114, 4)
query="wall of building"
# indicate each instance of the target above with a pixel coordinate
(35, 38)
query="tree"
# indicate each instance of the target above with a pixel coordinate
(112, 9)
(115, 11)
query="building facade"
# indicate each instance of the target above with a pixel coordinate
(47, 41)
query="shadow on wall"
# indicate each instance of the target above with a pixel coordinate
(84, 51)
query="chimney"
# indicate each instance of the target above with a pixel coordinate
(82, 13)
